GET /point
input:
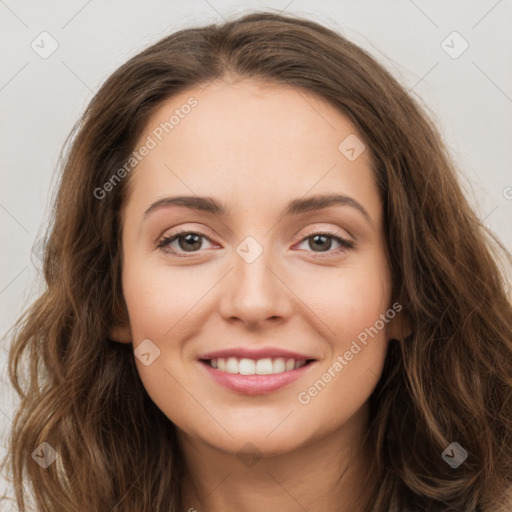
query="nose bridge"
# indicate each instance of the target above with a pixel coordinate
(255, 293)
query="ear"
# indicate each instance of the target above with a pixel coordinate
(121, 334)
(121, 331)
(398, 327)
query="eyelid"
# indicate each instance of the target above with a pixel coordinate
(183, 228)
(345, 243)
(334, 232)
(309, 232)
(164, 241)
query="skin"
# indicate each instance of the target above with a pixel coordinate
(255, 146)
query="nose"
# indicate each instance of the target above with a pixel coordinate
(254, 292)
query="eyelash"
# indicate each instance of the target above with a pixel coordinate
(345, 244)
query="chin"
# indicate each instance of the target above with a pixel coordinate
(259, 439)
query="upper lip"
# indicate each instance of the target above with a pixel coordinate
(261, 353)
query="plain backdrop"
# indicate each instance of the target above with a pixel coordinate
(469, 96)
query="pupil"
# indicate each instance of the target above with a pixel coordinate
(316, 238)
(190, 238)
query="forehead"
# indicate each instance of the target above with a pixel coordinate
(248, 140)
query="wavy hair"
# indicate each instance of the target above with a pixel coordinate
(449, 379)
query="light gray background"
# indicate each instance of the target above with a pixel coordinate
(469, 97)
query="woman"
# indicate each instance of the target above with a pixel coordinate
(202, 344)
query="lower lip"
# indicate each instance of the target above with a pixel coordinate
(255, 384)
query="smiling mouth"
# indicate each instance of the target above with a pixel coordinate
(265, 366)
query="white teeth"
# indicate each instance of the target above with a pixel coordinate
(266, 366)
(278, 366)
(231, 365)
(245, 366)
(290, 364)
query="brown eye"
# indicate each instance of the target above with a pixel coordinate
(322, 243)
(188, 241)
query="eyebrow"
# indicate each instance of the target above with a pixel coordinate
(294, 207)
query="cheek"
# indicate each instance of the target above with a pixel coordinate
(347, 300)
(164, 305)
(162, 300)
(356, 311)
(356, 308)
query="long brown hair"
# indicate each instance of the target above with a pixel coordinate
(449, 380)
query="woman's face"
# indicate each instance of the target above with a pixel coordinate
(254, 285)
